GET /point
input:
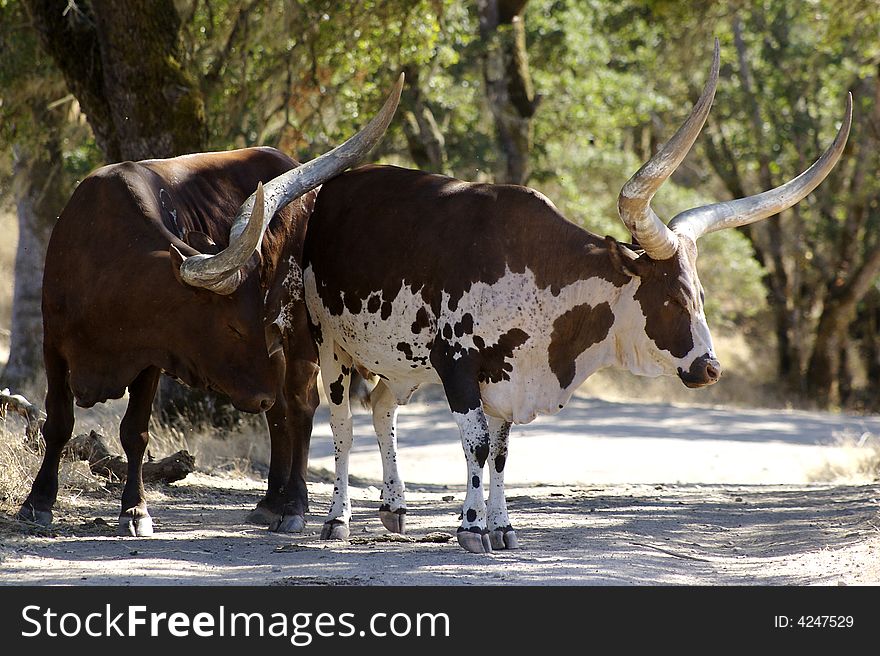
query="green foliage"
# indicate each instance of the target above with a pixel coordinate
(35, 106)
(609, 84)
(298, 74)
(24, 74)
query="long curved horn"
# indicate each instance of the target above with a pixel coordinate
(699, 221)
(634, 202)
(220, 272)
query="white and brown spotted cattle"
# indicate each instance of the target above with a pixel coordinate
(488, 290)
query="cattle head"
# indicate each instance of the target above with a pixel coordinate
(668, 291)
(232, 341)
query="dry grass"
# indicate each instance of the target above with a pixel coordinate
(241, 450)
(858, 464)
(19, 465)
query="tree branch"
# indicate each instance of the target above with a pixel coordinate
(212, 77)
(70, 38)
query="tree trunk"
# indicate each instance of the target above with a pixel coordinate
(833, 327)
(157, 108)
(508, 83)
(122, 62)
(39, 188)
(40, 194)
(858, 259)
(821, 378)
(865, 331)
(67, 35)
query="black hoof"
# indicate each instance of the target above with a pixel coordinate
(28, 513)
(288, 524)
(262, 516)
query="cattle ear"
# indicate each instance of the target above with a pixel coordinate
(625, 260)
(201, 242)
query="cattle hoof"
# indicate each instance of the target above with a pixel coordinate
(289, 524)
(335, 529)
(28, 513)
(474, 542)
(503, 538)
(263, 517)
(394, 520)
(135, 527)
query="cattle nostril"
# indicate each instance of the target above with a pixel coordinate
(712, 372)
(265, 404)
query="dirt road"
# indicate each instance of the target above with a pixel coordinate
(604, 493)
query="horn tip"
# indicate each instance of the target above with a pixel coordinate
(847, 113)
(716, 58)
(397, 89)
(259, 196)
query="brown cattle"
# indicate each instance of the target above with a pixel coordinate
(178, 266)
(491, 292)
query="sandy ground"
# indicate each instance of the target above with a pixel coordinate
(602, 494)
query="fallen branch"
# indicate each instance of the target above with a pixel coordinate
(102, 462)
(32, 414)
(93, 449)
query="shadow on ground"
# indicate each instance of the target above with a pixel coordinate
(608, 535)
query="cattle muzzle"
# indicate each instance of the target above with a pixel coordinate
(704, 371)
(254, 404)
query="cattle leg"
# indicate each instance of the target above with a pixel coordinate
(336, 376)
(501, 533)
(290, 428)
(302, 386)
(269, 509)
(57, 430)
(134, 520)
(463, 394)
(392, 512)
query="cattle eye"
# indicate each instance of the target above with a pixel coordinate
(702, 297)
(236, 332)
